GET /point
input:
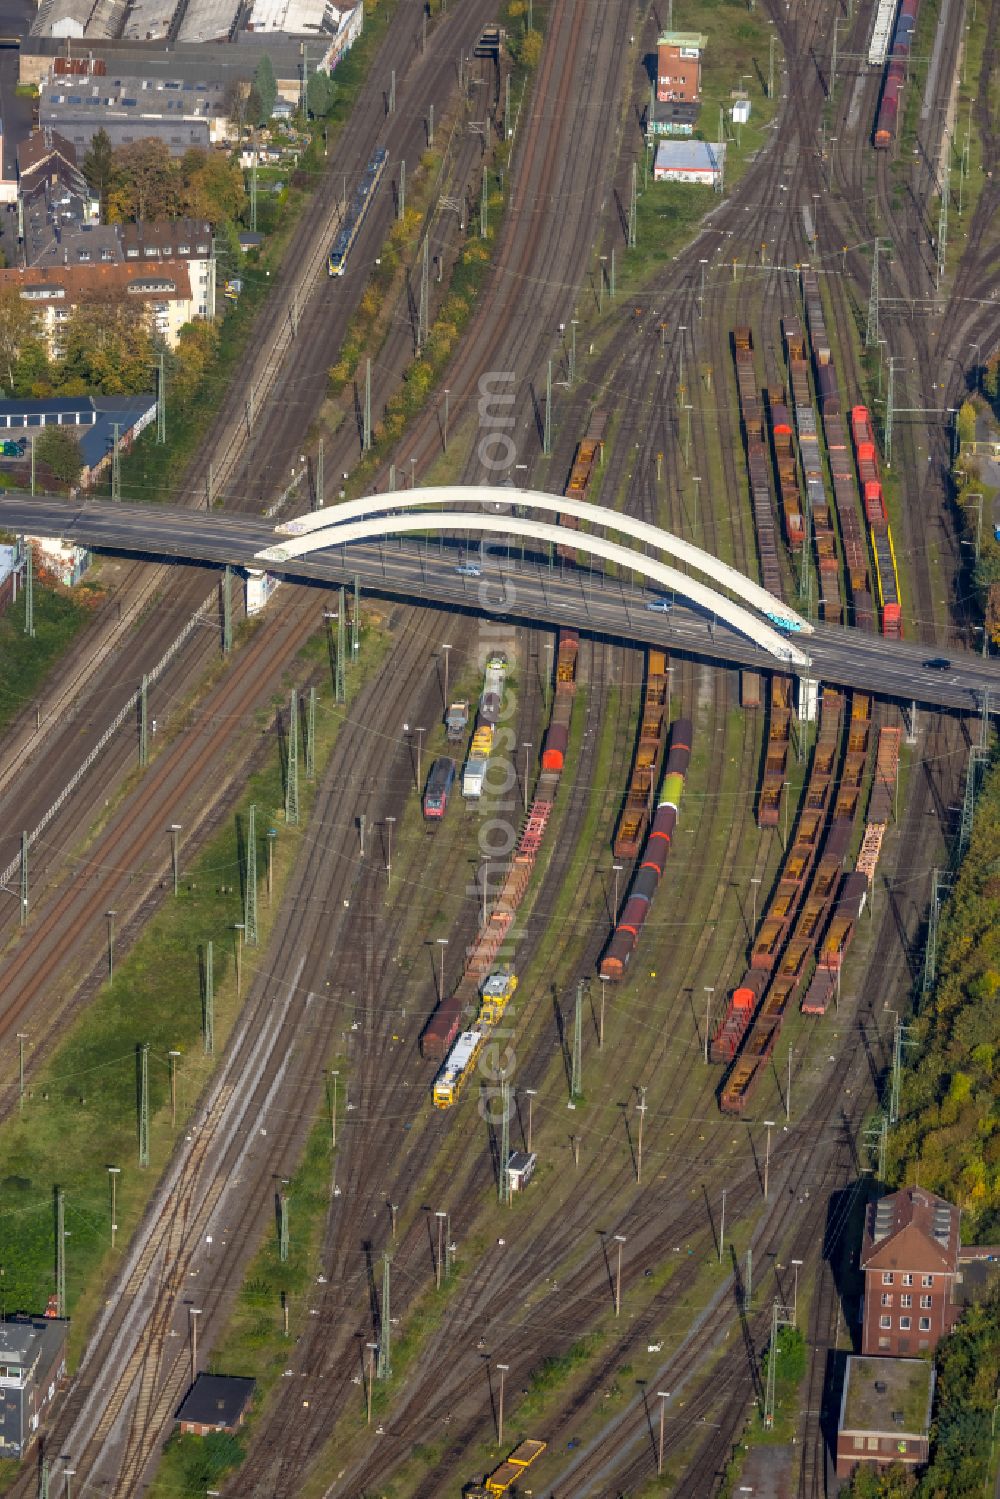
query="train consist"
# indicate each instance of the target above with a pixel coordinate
(364, 195)
(886, 574)
(438, 788)
(810, 899)
(787, 471)
(484, 991)
(887, 119)
(778, 744)
(646, 765)
(494, 996)
(626, 935)
(589, 455)
(511, 1471)
(487, 717)
(831, 606)
(845, 487)
(557, 738)
(761, 498)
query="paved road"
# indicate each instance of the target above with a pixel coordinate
(524, 590)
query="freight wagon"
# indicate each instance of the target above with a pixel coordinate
(887, 118)
(479, 758)
(439, 784)
(442, 1028)
(589, 455)
(646, 764)
(644, 886)
(887, 582)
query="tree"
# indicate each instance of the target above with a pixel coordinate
(59, 450)
(266, 89)
(146, 182)
(529, 49)
(197, 345)
(236, 100)
(967, 422)
(108, 345)
(212, 186)
(17, 330)
(98, 166)
(320, 94)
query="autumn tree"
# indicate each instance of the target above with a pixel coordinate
(98, 166)
(197, 346)
(108, 345)
(146, 182)
(212, 186)
(17, 330)
(59, 451)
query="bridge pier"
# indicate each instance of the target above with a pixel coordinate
(807, 699)
(912, 724)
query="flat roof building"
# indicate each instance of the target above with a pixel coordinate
(32, 1364)
(690, 161)
(180, 112)
(885, 1413)
(215, 1402)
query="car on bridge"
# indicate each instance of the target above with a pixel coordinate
(660, 606)
(937, 663)
(468, 570)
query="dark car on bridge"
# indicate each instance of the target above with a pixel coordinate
(938, 663)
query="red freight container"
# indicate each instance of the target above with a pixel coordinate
(442, 1028)
(554, 753)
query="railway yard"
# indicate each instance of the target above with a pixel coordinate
(625, 916)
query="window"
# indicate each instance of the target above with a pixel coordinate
(927, 1280)
(904, 1324)
(887, 1277)
(885, 1322)
(907, 1280)
(107, 255)
(883, 1342)
(859, 1444)
(906, 1300)
(132, 252)
(887, 1298)
(925, 1324)
(873, 1444)
(927, 1301)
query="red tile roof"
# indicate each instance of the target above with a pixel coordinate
(911, 1230)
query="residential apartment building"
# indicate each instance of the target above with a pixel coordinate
(51, 241)
(162, 288)
(32, 1364)
(910, 1257)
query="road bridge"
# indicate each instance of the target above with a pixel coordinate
(527, 589)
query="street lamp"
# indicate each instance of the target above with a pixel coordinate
(444, 651)
(755, 882)
(531, 1092)
(442, 943)
(527, 752)
(503, 1370)
(111, 945)
(619, 1240)
(69, 1474)
(175, 829)
(388, 865)
(372, 1350)
(440, 1216)
(114, 1172)
(617, 872)
(795, 1291)
(333, 1109)
(767, 1154)
(239, 927)
(272, 833)
(664, 1397)
(447, 393)
(709, 991)
(173, 1054)
(194, 1313)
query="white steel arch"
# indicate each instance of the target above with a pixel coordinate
(748, 591)
(658, 572)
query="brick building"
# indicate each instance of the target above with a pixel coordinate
(909, 1256)
(885, 1413)
(678, 66)
(215, 1402)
